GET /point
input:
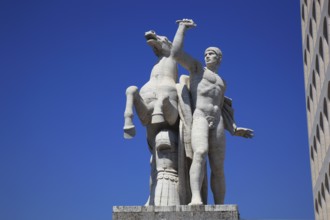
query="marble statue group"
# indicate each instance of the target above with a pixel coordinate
(185, 121)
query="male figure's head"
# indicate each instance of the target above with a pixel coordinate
(213, 57)
(160, 44)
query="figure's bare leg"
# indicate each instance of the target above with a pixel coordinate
(216, 157)
(199, 140)
(218, 183)
(133, 98)
(204, 189)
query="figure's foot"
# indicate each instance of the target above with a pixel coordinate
(195, 203)
(129, 131)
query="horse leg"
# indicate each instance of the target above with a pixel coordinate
(157, 114)
(133, 98)
(170, 110)
(165, 110)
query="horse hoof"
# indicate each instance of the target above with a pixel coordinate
(129, 131)
(157, 118)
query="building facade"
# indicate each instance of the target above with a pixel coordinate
(315, 20)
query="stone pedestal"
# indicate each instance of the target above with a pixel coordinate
(180, 212)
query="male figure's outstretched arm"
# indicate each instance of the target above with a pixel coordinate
(184, 59)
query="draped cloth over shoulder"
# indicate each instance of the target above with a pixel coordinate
(185, 153)
(228, 116)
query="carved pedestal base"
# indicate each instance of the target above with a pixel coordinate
(180, 212)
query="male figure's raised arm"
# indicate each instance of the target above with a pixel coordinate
(177, 52)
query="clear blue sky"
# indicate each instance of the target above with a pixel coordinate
(64, 69)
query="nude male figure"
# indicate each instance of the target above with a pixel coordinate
(208, 128)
